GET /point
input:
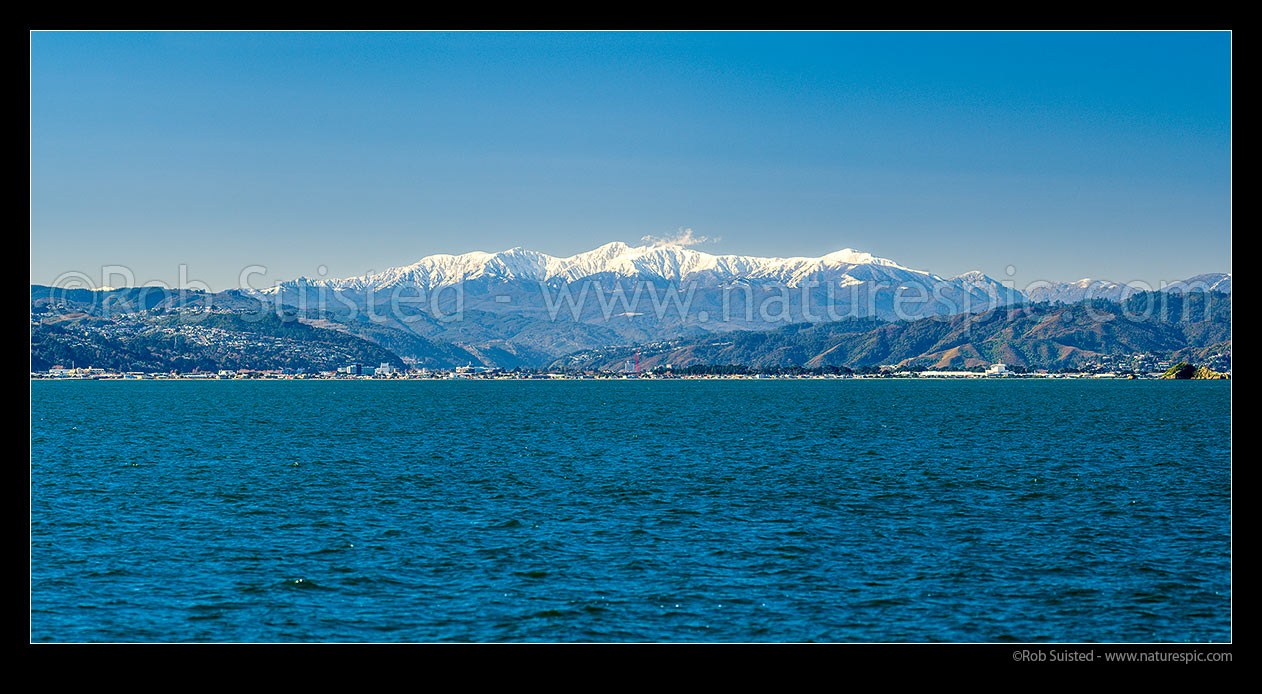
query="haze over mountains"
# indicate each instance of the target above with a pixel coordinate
(525, 308)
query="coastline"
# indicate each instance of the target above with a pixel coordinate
(619, 377)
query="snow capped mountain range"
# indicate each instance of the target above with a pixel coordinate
(660, 262)
(1071, 292)
(674, 263)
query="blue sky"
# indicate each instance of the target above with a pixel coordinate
(1062, 155)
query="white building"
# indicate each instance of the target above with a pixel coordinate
(997, 370)
(949, 374)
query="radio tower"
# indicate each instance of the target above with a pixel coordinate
(637, 362)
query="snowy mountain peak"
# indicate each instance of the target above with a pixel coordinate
(1210, 282)
(610, 249)
(849, 256)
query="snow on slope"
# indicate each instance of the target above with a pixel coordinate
(677, 263)
(673, 263)
(1072, 292)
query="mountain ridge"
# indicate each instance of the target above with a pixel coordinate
(675, 263)
(665, 262)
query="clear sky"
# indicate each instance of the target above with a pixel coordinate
(1062, 155)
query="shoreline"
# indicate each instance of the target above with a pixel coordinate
(558, 377)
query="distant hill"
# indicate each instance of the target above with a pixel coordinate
(1051, 336)
(156, 329)
(213, 342)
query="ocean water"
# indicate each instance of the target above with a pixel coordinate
(854, 510)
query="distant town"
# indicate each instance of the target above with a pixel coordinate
(387, 371)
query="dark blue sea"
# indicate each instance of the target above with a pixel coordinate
(715, 511)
